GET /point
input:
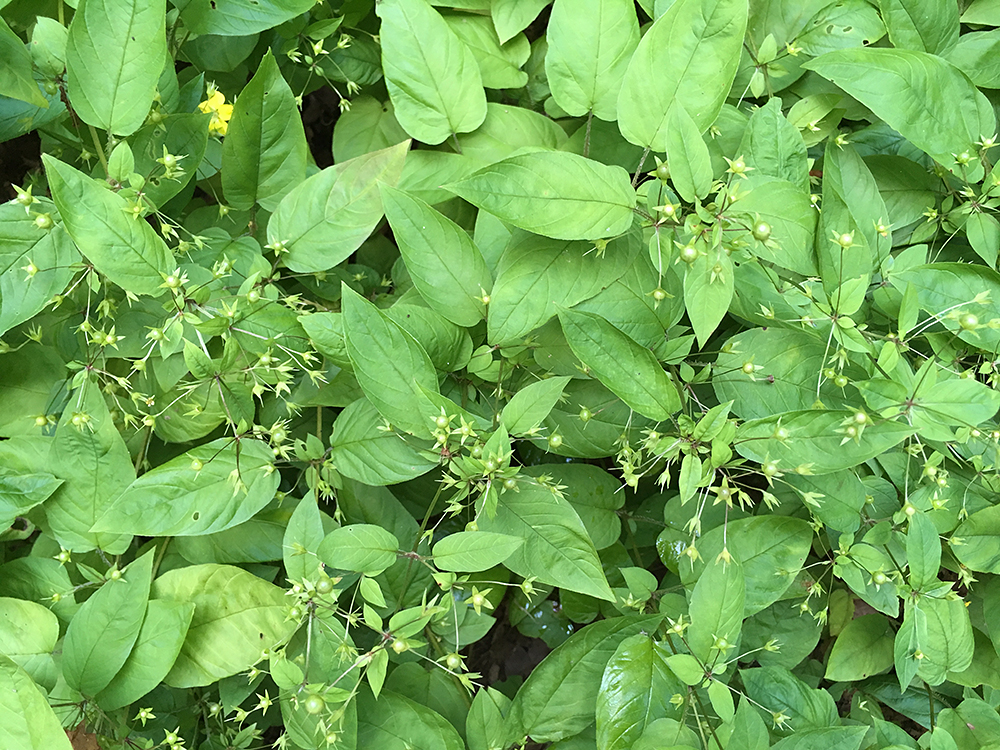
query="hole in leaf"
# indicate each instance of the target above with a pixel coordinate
(195, 516)
(848, 29)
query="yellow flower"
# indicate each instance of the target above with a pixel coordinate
(220, 111)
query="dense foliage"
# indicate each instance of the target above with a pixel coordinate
(664, 332)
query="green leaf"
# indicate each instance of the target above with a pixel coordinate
(555, 194)
(955, 286)
(532, 404)
(590, 45)
(445, 265)
(557, 699)
(102, 633)
(595, 495)
(484, 723)
(777, 689)
(983, 232)
(28, 635)
(16, 78)
(52, 253)
(627, 369)
(922, 25)
(773, 147)
(557, 549)
(20, 492)
(499, 65)
(394, 722)
(360, 547)
(474, 551)
(709, 284)
(974, 541)
(864, 648)
(689, 56)
(369, 125)
(770, 550)
(928, 100)
(264, 151)
(512, 16)
(156, 648)
(687, 154)
(114, 57)
(716, 609)
(949, 643)
(829, 738)
(636, 688)
(789, 211)
(749, 730)
(976, 56)
(238, 17)
(303, 535)
(851, 205)
(125, 249)
(786, 364)
(323, 220)
(27, 722)
(505, 130)
(210, 488)
(96, 467)
(236, 616)
(393, 369)
(362, 450)
(848, 23)
(536, 275)
(433, 78)
(923, 552)
(814, 442)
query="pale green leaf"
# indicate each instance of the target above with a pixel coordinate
(237, 615)
(555, 194)
(114, 56)
(208, 489)
(264, 152)
(124, 248)
(432, 76)
(472, 551)
(323, 220)
(689, 55)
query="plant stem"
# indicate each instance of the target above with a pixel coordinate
(586, 137)
(100, 150)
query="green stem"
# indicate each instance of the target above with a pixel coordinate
(100, 150)
(586, 137)
(930, 699)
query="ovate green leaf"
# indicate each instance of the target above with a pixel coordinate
(555, 194)
(716, 609)
(16, 79)
(238, 17)
(590, 45)
(557, 700)
(27, 722)
(326, 218)
(236, 616)
(393, 369)
(627, 369)
(114, 57)
(864, 648)
(446, 267)
(433, 79)
(264, 152)
(557, 549)
(472, 551)
(689, 55)
(124, 248)
(159, 642)
(208, 489)
(363, 451)
(928, 100)
(636, 689)
(102, 633)
(360, 547)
